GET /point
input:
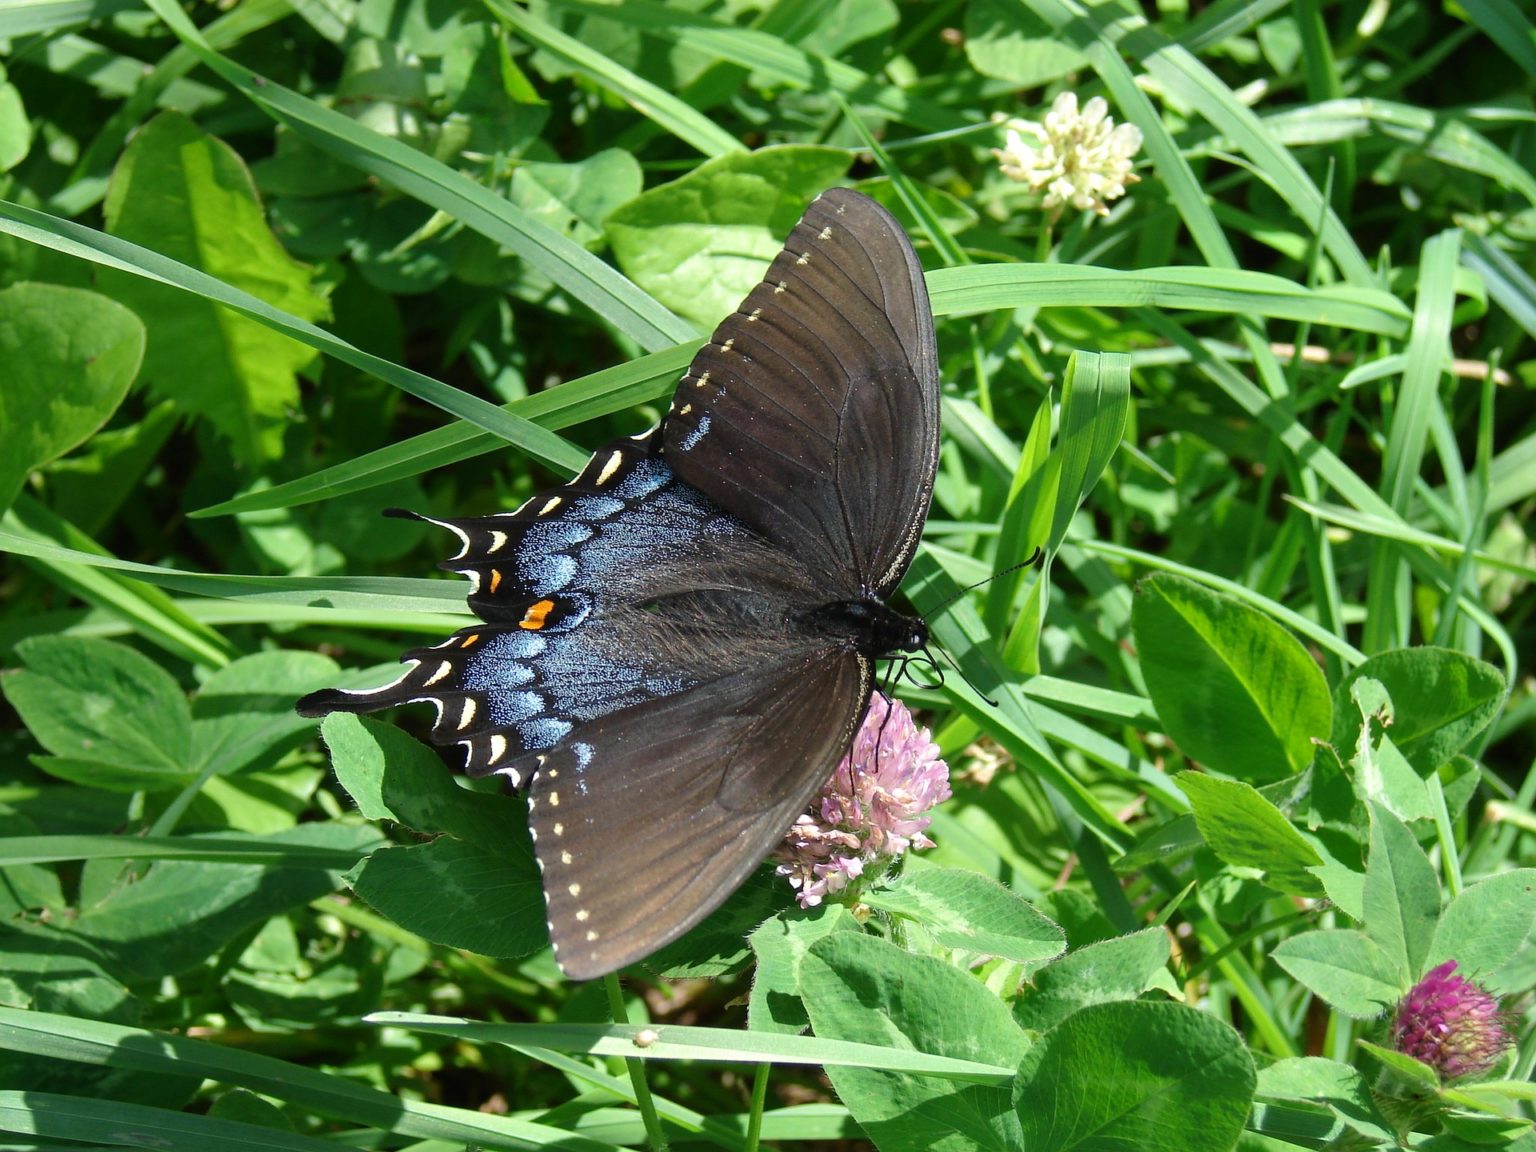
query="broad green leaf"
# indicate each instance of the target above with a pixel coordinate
(1345, 968)
(856, 987)
(1339, 1087)
(1009, 42)
(1402, 894)
(69, 358)
(244, 711)
(390, 776)
(971, 912)
(1234, 690)
(1118, 969)
(458, 894)
(778, 946)
(700, 243)
(478, 885)
(181, 912)
(1486, 928)
(30, 888)
(189, 196)
(115, 718)
(1441, 700)
(1247, 831)
(575, 199)
(87, 488)
(1157, 1077)
(1421, 1075)
(718, 943)
(15, 127)
(139, 261)
(1380, 772)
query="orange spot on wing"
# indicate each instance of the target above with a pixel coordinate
(470, 640)
(534, 618)
(495, 580)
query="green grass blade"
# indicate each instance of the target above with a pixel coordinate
(661, 107)
(1190, 82)
(565, 262)
(959, 631)
(679, 1042)
(1293, 620)
(378, 595)
(1508, 26)
(212, 850)
(52, 1116)
(601, 393)
(34, 17)
(1511, 286)
(784, 63)
(99, 248)
(984, 287)
(148, 612)
(92, 1042)
(1388, 611)
(1095, 407)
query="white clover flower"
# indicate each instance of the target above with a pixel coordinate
(871, 810)
(1081, 158)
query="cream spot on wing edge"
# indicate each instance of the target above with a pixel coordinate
(467, 716)
(610, 468)
(443, 669)
(551, 504)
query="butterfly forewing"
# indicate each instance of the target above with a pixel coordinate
(813, 412)
(652, 816)
(552, 579)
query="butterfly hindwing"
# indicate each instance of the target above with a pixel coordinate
(813, 412)
(648, 818)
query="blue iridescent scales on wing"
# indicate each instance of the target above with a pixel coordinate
(679, 645)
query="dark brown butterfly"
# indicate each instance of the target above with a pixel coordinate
(679, 644)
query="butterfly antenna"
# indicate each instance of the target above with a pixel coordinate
(1034, 558)
(969, 682)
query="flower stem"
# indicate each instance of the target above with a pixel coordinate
(759, 1097)
(643, 1101)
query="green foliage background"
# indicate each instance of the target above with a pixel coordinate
(1258, 750)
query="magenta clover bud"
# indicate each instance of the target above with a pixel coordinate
(1451, 1024)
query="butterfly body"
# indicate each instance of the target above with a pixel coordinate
(679, 644)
